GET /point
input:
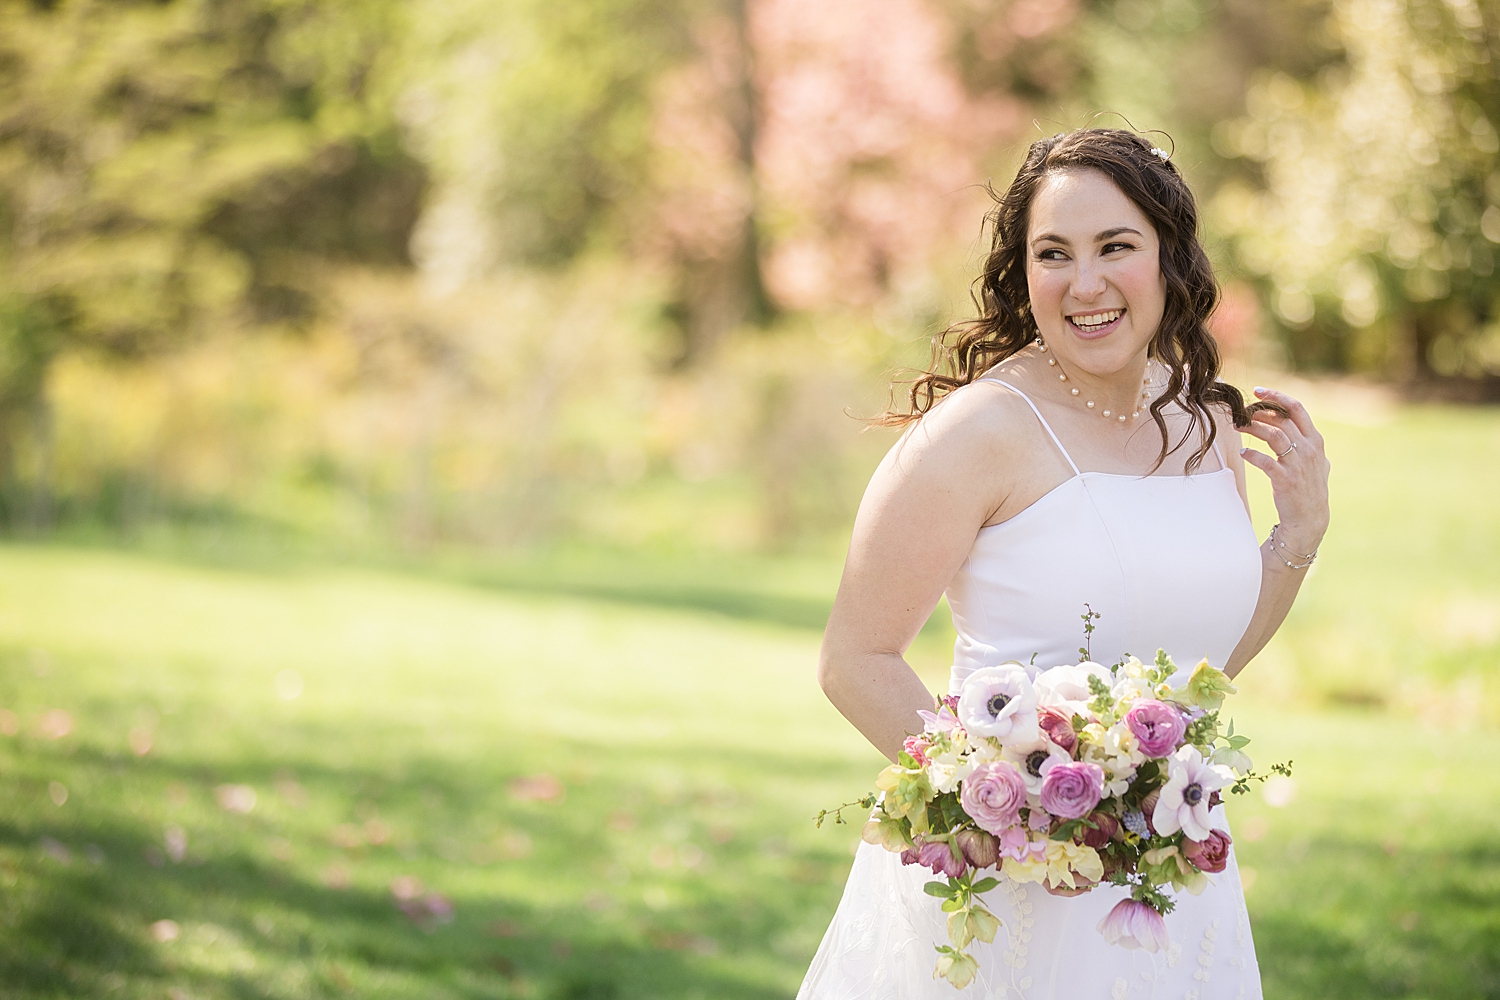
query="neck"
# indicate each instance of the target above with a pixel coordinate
(1115, 394)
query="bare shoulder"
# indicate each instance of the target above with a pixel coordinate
(1228, 435)
(981, 422)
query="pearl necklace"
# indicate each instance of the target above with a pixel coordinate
(1062, 377)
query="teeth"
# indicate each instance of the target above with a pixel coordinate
(1097, 320)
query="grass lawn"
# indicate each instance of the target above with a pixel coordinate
(594, 778)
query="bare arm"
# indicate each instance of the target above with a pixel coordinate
(1299, 484)
(916, 525)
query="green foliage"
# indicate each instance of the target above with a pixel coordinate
(1376, 220)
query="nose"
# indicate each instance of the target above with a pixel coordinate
(1088, 281)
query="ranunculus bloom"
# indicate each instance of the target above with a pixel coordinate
(1157, 725)
(993, 796)
(1211, 855)
(980, 849)
(938, 856)
(1184, 802)
(1058, 728)
(999, 702)
(1135, 925)
(1105, 826)
(1072, 790)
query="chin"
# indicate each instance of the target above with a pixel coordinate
(1108, 355)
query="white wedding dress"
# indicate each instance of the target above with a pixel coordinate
(1168, 561)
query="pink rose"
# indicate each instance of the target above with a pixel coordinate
(1157, 725)
(1072, 790)
(1211, 855)
(993, 796)
(980, 849)
(1135, 925)
(1058, 728)
(1105, 826)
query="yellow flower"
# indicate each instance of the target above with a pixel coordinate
(1033, 869)
(1066, 858)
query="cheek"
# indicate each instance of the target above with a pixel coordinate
(1145, 286)
(1045, 286)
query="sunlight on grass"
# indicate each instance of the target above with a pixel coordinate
(591, 776)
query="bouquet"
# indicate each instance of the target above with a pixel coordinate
(1069, 776)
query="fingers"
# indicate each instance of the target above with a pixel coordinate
(1265, 463)
(1292, 406)
(1279, 440)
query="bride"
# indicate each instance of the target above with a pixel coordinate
(1075, 449)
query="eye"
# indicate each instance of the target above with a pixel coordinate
(1051, 253)
(1117, 246)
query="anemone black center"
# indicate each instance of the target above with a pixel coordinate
(1192, 794)
(1035, 760)
(997, 703)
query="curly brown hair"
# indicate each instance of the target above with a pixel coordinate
(966, 350)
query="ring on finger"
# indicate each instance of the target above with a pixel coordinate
(1290, 448)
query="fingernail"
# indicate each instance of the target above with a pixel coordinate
(1261, 390)
(1244, 451)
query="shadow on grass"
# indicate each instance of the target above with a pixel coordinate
(728, 589)
(248, 925)
(84, 931)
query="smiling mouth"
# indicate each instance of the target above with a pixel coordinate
(1094, 322)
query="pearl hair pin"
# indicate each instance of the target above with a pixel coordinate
(1062, 377)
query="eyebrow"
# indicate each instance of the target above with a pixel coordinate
(1107, 234)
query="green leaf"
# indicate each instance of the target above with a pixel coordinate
(1067, 831)
(985, 884)
(942, 889)
(952, 905)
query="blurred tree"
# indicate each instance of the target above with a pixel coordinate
(166, 168)
(1375, 215)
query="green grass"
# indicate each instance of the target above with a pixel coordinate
(674, 705)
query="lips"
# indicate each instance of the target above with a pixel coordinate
(1096, 323)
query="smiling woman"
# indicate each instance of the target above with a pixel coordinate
(1029, 487)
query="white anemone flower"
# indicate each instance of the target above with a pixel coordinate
(1066, 688)
(1034, 760)
(1191, 782)
(999, 702)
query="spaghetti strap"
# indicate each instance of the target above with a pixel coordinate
(1045, 426)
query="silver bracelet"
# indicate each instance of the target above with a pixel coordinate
(1277, 546)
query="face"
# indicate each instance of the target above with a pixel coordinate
(1094, 272)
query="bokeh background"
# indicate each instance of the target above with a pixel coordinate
(429, 435)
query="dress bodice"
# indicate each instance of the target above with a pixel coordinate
(1166, 561)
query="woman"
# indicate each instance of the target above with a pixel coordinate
(1078, 451)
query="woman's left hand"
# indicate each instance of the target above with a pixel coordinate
(1062, 890)
(1298, 471)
